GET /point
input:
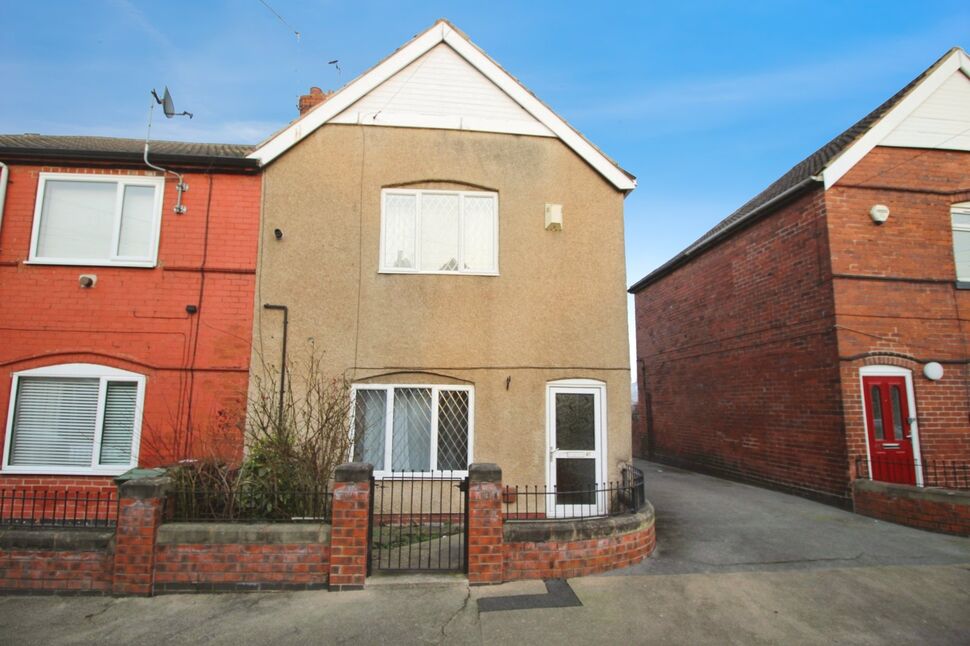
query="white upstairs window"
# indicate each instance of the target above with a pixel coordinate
(74, 419)
(97, 220)
(439, 232)
(960, 219)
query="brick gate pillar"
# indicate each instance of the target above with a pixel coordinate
(485, 538)
(140, 504)
(351, 521)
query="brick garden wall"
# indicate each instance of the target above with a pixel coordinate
(61, 571)
(135, 318)
(554, 559)
(241, 566)
(739, 358)
(937, 510)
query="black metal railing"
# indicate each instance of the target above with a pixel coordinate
(533, 502)
(947, 474)
(47, 508)
(256, 505)
(418, 522)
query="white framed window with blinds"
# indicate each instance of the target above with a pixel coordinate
(413, 428)
(439, 232)
(960, 221)
(100, 220)
(74, 419)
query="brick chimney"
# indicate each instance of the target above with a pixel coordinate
(314, 98)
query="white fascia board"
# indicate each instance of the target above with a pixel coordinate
(851, 156)
(442, 32)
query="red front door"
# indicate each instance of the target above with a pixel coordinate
(888, 426)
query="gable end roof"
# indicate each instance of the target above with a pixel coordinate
(443, 32)
(820, 169)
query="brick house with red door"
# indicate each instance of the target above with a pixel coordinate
(819, 331)
(125, 324)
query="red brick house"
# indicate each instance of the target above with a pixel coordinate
(822, 327)
(125, 325)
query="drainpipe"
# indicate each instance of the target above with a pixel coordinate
(286, 323)
(4, 176)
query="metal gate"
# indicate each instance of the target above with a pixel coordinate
(418, 523)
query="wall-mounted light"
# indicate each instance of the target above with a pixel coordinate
(278, 234)
(933, 371)
(879, 213)
(87, 281)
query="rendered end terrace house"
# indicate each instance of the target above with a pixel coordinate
(455, 249)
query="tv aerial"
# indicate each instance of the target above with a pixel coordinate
(168, 107)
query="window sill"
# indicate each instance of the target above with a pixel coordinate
(65, 471)
(419, 475)
(403, 272)
(963, 284)
(142, 264)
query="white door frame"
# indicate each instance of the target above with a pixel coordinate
(598, 390)
(893, 371)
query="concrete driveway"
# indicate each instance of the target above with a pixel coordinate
(735, 564)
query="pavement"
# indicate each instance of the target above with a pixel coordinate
(735, 565)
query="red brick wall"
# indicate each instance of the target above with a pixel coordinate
(62, 571)
(135, 319)
(740, 357)
(567, 559)
(239, 566)
(938, 511)
(894, 287)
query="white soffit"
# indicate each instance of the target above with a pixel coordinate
(354, 103)
(442, 90)
(935, 114)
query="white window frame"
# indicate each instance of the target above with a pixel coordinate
(83, 371)
(905, 373)
(958, 209)
(386, 472)
(418, 193)
(114, 260)
(578, 386)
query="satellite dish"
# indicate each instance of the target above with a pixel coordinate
(168, 105)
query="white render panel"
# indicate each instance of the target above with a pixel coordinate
(941, 121)
(441, 89)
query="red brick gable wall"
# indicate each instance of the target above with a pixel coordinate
(740, 360)
(894, 286)
(134, 318)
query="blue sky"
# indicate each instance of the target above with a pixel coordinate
(706, 102)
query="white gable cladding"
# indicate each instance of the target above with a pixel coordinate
(933, 114)
(941, 121)
(351, 98)
(442, 90)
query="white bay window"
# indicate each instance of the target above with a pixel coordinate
(413, 428)
(100, 220)
(74, 419)
(960, 220)
(439, 232)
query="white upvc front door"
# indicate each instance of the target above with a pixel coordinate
(575, 428)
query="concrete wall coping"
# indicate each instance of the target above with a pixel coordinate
(354, 472)
(542, 531)
(934, 494)
(78, 539)
(144, 488)
(243, 533)
(484, 472)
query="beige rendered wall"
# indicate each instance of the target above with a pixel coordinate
(556, 311)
